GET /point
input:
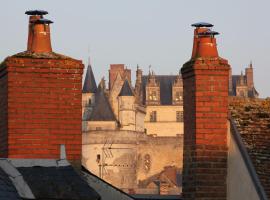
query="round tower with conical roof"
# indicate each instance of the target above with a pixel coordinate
(126, 107)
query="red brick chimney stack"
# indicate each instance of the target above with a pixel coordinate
(40, 100)
(205, 82)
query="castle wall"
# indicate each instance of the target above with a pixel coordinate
(166, 124)
(119, 156)
(127, 115)
(101, 125)
(162, 151)
(140, 120)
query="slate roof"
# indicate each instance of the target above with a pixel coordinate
(126, 90)
(89, 85)
(102, 110)
(57, 183)
(105, 189)
(42, 179)
(7, 190)
(166, 83)
(252, 120)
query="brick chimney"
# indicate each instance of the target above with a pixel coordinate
(205, 83)
(40, 98)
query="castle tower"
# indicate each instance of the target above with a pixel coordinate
(126, 103)
(40, 98)
(205, 80)
(89, 90)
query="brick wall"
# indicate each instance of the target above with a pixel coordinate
(205, 118)
(44, 107)
(3, 111)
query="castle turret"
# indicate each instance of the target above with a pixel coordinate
(89, 90)
(126, 103)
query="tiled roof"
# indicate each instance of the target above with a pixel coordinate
(42, 179)
(166, 83)
(252, 119)
(7, 190)
(89, 85)
(126, 90)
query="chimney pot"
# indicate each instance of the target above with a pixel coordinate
(39, 32)
(204, 42)
(41, 42)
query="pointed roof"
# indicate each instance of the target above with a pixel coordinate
(89, 85)
(126, 90)
(102, 110)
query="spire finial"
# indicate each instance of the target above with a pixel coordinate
(149, 69)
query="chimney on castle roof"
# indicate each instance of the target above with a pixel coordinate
(39, 40)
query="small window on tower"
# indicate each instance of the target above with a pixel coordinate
(153, 116)
(179, 116)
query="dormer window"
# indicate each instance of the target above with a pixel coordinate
(153, 96)
(178, 96)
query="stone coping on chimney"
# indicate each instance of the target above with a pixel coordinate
(50, 55)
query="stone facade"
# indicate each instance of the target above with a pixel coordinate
(243, 85)
(126, 158)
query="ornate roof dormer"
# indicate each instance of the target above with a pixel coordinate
(177, 91)
(152, 90)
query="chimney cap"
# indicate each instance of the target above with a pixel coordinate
(202, 24)
(208, 32)
(36, 12)
(43, 21)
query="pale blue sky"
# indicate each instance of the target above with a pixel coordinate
(145, 32)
